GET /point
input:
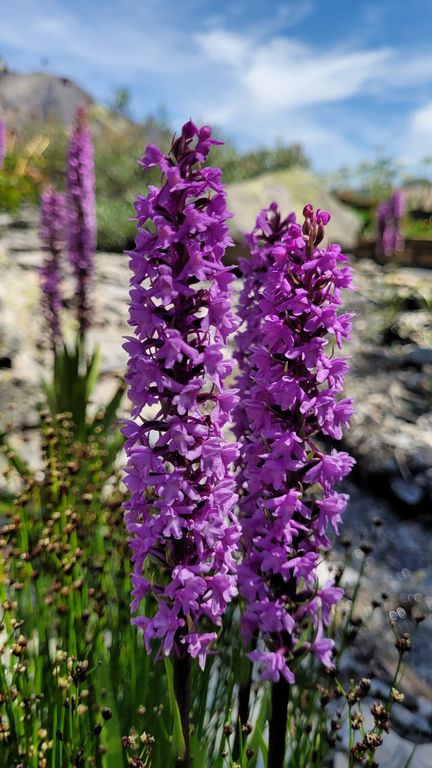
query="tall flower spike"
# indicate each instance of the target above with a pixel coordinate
(52, 233)
(270, 229)
(180, 512)
(81, 214)
(397, 210)
(2, 142)
(290, 502)
(389, 217)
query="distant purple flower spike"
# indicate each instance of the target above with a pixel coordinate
(81, 214)
(289, 502)
(180, 511)
(2, 142)
(397, 204)
(52, 233)
(389, 217)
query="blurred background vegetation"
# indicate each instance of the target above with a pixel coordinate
(37, 155)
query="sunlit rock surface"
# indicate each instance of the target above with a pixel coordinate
(291, 189)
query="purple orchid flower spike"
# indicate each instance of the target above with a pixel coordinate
(289, 503)
(81, 215)
(53, 234)
(179, 516)
(390, 213)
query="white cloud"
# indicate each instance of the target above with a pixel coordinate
(119, 44)
(247, 77)
(224, 47)
(418, 137)
(286, 74)
(270, 87)
(421, 123)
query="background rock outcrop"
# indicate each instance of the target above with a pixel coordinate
(40, 96)
(291, 188)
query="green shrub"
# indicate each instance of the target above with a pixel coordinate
(39, 155)
(115, 230)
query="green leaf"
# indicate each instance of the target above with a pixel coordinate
(257, 741)
(113, 406)
(50, 395)
(198, 753)
(74, 379)
(177, 739)
(110, 412)
(14, 458)
(113, 448)
(92, 372)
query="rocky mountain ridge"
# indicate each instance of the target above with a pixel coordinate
(39, 96)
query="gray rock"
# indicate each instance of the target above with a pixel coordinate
(39, 96)
(380, 689)
(392, 427)
(410, 724)
(407, 491)
(28, 258)
(418, 196)
(340, 760)
(419, 357)
(425, 707)
(396, 752)
(6, 220)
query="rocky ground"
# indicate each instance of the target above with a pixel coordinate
(391, 382)
(391, 438)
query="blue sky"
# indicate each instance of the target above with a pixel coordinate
(343, 77)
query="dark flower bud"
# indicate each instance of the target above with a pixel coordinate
(373, 740)
(79, 674)
(365, 685)
(403, 643)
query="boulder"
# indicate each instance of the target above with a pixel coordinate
(40, 96)
(418, 198)
(292, 189)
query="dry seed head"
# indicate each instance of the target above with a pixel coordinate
(147, 739)
(403, 643)
(397, 695)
